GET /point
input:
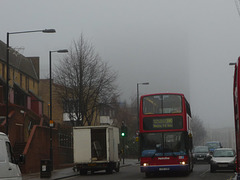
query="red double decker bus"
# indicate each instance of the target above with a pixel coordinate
(236, 100)
(165, 133)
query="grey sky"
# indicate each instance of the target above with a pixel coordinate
(176, 45)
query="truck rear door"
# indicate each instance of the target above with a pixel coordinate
(82, 145)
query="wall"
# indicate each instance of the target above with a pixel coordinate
(38, 148)
(57, 106)
(16, 127)
(36, 140)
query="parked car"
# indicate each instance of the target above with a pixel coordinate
(8, 166)
(212, 145)
(201, 154)
(223, 159)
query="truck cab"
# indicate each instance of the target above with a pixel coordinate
(8, 166)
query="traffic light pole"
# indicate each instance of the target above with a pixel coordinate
(123, 149)
(123, 136)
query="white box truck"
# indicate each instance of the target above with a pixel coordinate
(96, 148)
(8, 166)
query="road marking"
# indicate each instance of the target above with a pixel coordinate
(201, 175)
(231, 178)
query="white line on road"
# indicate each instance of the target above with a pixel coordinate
(201, 175)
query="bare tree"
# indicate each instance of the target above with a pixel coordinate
(198, 129)
(84, 81)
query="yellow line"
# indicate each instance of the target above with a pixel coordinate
(230, 178)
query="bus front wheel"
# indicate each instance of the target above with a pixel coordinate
(147, 174)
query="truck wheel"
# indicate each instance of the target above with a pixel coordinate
(148, 174)
(117, 169)
(83, 172)
(109, 170)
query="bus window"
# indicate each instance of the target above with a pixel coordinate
(162, 104)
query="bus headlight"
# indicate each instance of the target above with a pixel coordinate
(182, 163)
(145, 164)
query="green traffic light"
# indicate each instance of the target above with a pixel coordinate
(123, 134)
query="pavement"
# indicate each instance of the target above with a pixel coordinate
(68, 172)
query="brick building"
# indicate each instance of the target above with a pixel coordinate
(28, 125)
(23, 79)
(59, 113)
(57, 106)
(28, 128)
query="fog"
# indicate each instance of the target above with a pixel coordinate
(177, 46)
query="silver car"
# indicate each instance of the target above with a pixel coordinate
(223, 159)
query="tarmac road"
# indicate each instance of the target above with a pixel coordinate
(200, 172)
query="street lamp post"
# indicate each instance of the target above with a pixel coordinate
(7, 59)
(145, 83)
(50, 87)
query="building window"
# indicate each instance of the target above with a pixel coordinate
(3, 71)
(65, 140)
(27, 83)
(13, 75)
(20, 80)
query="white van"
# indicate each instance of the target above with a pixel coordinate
(8, 167)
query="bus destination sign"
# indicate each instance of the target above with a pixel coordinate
(162, 123)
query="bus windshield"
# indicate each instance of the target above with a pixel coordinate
(163, 144)
(162, 104)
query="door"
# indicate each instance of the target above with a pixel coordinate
(111, 144)
(82, 145)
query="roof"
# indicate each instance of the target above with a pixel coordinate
(209, 142)
(34, 95)
(94, 127)
(219, 149)
(18, 61)
(1, 133)
(199, 146)
(156, 94)
(4, 137)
